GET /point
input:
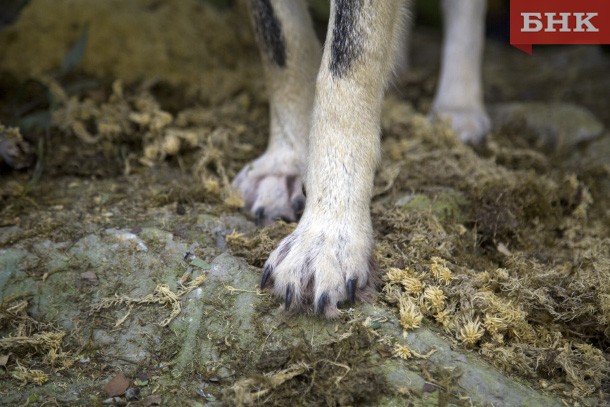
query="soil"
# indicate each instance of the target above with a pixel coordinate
(128, 272)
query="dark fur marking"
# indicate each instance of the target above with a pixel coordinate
(351, 290)
(266, 274)
(289, 294)
(307, 281)
(284, 249)
(346, 43)
(298, 205)
(269, 31)
(322, 303)
(259, 216)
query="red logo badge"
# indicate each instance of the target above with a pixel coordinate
(558, 22)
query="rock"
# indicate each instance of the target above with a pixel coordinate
(154, 400)
(89, 277)
(132, 393)
(483, 383)
(102, 338)
(9, 233)
(446, 204)
(222, 308)
(117, 385)
(553, 127)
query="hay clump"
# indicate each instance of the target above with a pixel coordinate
(26, 342)
(133, 116)
(162, 295)
(520, 273)
(255, 247)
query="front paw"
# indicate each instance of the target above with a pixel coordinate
(471, 124)
(272, 187)
(322, 264)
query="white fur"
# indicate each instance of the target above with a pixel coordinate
(337, 131)
(459, 96)
(333, 241)
(263, 183)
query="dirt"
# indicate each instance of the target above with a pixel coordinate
(125, 257)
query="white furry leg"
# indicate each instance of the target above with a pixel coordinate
(459, 97)
(328, 258)
(272, 185)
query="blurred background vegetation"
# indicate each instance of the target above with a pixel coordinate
(426, 13)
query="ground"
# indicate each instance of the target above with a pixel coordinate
(128, 272)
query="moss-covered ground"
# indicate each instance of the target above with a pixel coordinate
(124, 253)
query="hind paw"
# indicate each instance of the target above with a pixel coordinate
(470, 124)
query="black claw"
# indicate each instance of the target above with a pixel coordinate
(352, 283)
(266, 275)
(259, 216)
(322, 303)
(288, 301)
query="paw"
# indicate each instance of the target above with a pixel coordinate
(272, 188)
(470, 124)
(322, 264)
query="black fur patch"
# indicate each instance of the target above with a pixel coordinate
(346, 43)
(269, 31)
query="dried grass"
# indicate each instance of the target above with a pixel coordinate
(162, 295)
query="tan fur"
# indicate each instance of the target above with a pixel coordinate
(263, 183)
(330, 140)
(333, 241)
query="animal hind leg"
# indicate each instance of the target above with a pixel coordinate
(459, 96)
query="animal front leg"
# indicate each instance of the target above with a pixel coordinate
(272, 185)
(328, 258)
